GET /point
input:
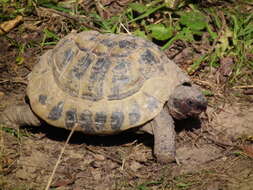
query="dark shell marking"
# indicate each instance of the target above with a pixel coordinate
(97, 75)
(117, 120)
(134, 115)
(86, 122)
(127, 44)
(42, 99)
(108, 42)
(100, 119)
(148, 58)
(81, 66)
(56, 111)
(68, 55)
(150, 64)
(92, 123)
(70, 118)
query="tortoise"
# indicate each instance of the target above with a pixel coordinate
(106, 84)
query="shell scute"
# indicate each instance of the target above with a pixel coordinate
(123, 80)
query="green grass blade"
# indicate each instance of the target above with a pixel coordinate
(55, 7)
(147, 13)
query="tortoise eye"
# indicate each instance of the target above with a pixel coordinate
(189, 102)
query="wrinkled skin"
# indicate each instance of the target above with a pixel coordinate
(186, 101)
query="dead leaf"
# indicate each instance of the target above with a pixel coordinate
(248, 149)
(99, 157)
(248, 91)
(61, 183)
(10, 24)
(1, 94)
(135, 166)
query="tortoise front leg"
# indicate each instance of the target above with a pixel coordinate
(164, 134)
(19, 115)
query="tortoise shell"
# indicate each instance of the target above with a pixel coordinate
(104, 82)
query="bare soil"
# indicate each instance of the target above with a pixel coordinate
(214, 152)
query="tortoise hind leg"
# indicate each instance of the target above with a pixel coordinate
(19, 115)
(164, 137)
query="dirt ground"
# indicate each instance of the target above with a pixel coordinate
(214, 152)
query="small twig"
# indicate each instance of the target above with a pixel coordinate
(205, 83)
(14, 81)
(59, 158)
(177, 161)
(100, 8)
(243, 87)
(107, 156)
(219, 143)
(123, 164)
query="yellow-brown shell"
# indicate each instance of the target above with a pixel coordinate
(104, 82)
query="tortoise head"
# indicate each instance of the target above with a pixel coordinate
(186, 101)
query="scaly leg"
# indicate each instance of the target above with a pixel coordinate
(164, 134)
(19, 115)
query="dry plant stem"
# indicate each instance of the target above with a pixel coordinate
(243, 87)
(59, 158)
(107, 156)
(14, 80)
(122, 25)
(78, 19)
(1, 142)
